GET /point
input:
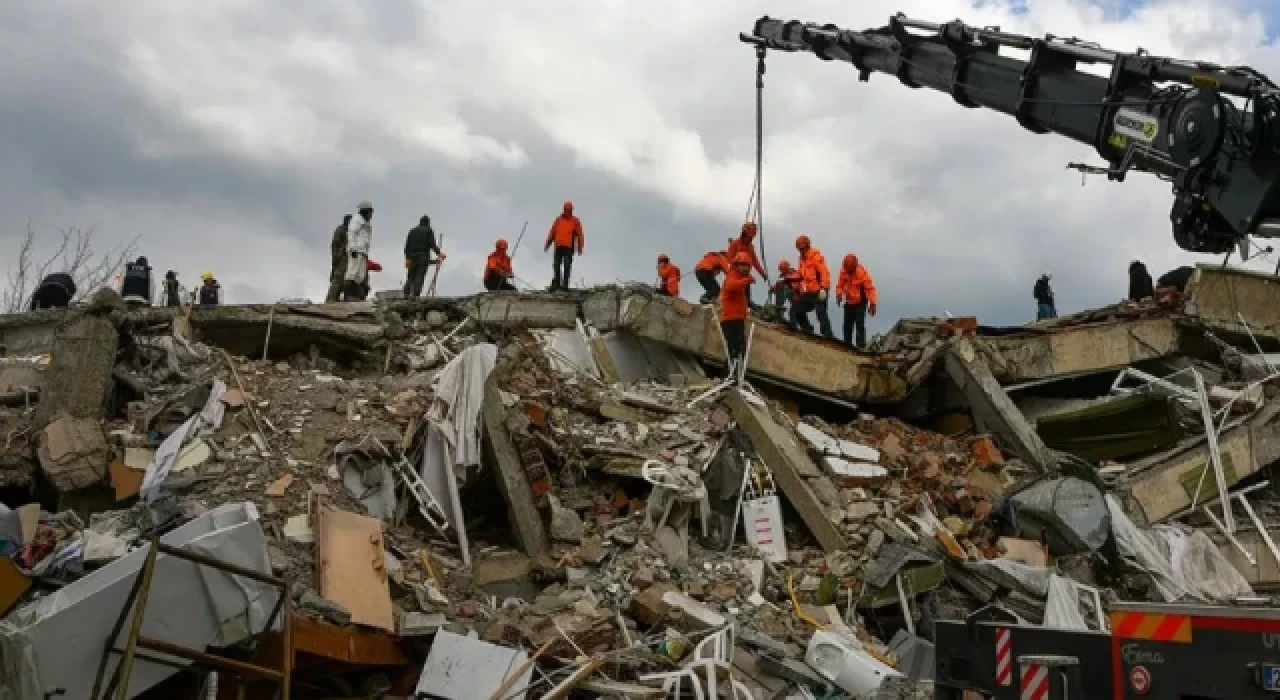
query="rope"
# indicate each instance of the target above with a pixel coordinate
(754, 213)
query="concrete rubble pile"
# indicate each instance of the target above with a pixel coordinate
(527, 495)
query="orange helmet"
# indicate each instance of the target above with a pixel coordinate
(802, 242)
(749, 228)
(742, 259)
(663, 258)
(568, 207)
(502, 244)
(783, 266)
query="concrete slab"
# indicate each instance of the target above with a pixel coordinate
(779, 355)
(792, 469)
(1077, 350)
(989, 402)
(513, 481)
(1215, 296)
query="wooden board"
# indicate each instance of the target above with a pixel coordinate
(351, 570)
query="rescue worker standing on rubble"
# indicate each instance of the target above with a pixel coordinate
(1140, 286)
(172, 294)
(566, 236)
(137, 288)
(1043, 293)
(338, 264)
(210, 292)
(668, 277)
(733, 307)
(418, 247)
(746, 243)
(498, 271)
(857, 293)
(815, 284)
(359, 239)
(707, 270)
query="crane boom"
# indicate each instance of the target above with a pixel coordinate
(1173, 118)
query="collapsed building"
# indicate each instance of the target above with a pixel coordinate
(372, 500)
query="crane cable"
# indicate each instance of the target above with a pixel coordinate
(753, 203)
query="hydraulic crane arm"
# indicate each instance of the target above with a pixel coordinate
(1169, 117)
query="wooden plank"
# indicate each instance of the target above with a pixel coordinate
(788, 461)
(352, 567)
(993, 406)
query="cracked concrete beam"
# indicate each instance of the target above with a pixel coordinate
(513, 482)
(992, 405)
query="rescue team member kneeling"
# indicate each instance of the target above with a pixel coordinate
(733, 307)
(497, 269)
(668, 277)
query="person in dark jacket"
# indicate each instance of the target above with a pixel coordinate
(210, 292)
(1177, 278)
(56, 291)
(172, 292)
(1140, 286)
(338, 264)
(1043, 294)
(418, 247)
(137, 288)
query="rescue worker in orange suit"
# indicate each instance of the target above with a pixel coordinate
(668, 277)
(566, 235)
(815, 283)
(857, 293)
(746, 243)
(707, 270)
(786, 289)
(498, 272)
(733, 307)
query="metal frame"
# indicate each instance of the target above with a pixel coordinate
(118, 685)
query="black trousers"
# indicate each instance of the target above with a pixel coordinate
(417, 274)
(354, 291)
(855, 318)
(800, 309)
(498, 283)
(735, 338)
(710, 285)
(561, 266)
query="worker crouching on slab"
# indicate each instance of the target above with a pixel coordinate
(498, 271)
(707, 271)
(733, 307)
(668, 277)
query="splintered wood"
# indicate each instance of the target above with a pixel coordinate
(352, 567)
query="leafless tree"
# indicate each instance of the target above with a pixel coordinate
(74, 255)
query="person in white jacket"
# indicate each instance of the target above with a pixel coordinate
(359, 238)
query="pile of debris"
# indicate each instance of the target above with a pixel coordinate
(500, 502)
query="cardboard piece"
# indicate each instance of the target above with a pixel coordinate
(352, 569)
(126, 481)
(279, 486)
(12, 584)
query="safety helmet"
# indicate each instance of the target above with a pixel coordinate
(742, 259)
(783, 265)
(663, 258)
(802, 242)
(206, 275)
(501, 244)
(568, 207)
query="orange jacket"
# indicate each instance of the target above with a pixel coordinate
(814, 274)
(742, 244)
(669, 279)
(733, 296)
(855, 282)
(566, 232)
(790, 278)
(499, 263)
(714, 262)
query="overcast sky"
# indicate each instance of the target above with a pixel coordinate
(232, 135)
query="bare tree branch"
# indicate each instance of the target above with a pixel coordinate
(74, 255)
